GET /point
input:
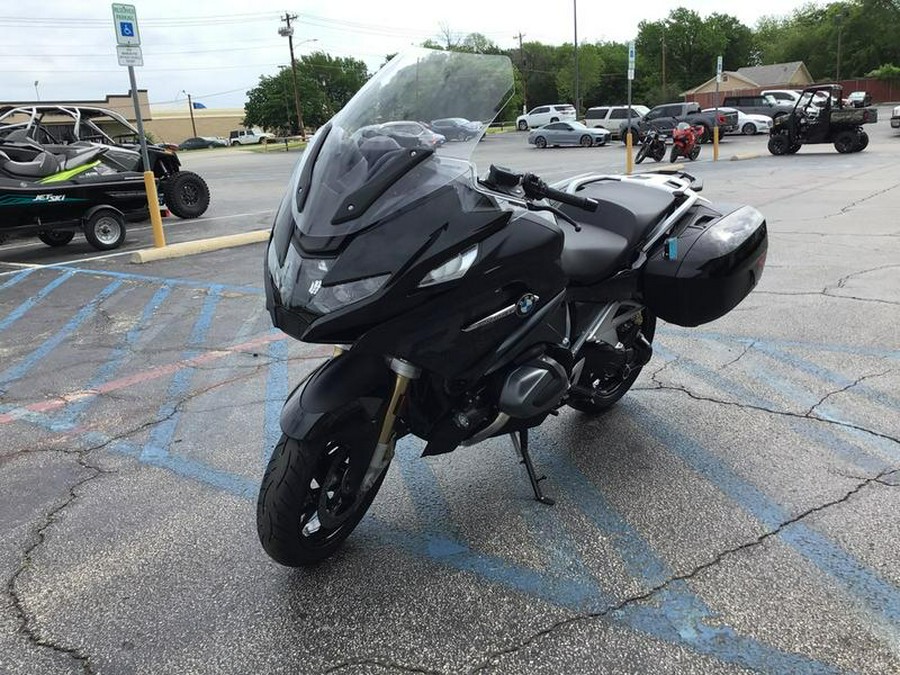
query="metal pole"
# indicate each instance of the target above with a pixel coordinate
(716, 126)
(191, 110)
(629, 140)
(159, 237)
(290, 36)
(524, 78)
(577, 78)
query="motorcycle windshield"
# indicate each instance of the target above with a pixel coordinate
(410, 130)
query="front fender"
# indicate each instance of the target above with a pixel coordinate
(333, 386)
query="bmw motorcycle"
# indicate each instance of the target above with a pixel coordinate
(463, 308)
(654, 146)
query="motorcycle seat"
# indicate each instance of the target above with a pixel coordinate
(628, 209)
(593, 254)
(43, 165)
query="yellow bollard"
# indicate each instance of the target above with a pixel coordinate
(716, 143)
(159, 237)
(629, 160)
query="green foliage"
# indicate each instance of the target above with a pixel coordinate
(887, 71)
(324, 83)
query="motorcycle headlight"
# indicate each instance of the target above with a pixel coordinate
(454, 268)
(326, 299)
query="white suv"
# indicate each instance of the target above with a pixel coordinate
(247, 136)
(545, 114)
(788, 96)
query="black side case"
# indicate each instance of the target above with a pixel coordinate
(707, 267)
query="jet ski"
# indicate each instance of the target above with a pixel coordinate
(54, 191)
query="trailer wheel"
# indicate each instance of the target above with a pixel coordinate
(55, 237)
(105, 229)
(846, 141)
(187, 194)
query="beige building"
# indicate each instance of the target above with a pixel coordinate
(793, 75)
(173, 126)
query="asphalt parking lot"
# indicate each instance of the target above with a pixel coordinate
(735, 513)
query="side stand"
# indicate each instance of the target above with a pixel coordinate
(520, 441)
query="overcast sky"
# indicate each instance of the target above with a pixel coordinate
(217, 49)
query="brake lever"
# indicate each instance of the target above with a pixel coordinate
(531, 206)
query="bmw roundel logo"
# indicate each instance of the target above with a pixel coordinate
(526, 304)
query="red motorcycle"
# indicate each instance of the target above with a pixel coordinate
(686, 141)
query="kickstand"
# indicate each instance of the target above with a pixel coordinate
(520, 441)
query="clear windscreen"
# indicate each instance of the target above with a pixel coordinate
(410, 130)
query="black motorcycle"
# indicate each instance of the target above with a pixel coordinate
(463, 309)
(654, 146)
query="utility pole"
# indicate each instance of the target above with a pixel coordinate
(524, 77)
(577, 78)
(665, 95)
(191, 110)
(840, 24)
(288, 30)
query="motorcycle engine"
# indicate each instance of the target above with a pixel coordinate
(533, 388)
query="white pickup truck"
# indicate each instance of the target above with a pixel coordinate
(895, 118)
(248, 136)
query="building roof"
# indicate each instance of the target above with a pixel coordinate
(776, 73)
(726, 75)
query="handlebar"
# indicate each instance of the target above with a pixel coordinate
(535, 188)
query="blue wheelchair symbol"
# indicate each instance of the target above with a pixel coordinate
(126, 28)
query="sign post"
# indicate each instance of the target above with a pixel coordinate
(128, 51)
(629, 141)
(716, 120)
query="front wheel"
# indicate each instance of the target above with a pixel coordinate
(540, 142)
(779, 145)
(523, 125)
(586, 141)
(310, 499)
(642, 154)
(749, 129)
(673, 155)
(608, 379)
(694, 153)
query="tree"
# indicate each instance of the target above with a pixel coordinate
(325, 84)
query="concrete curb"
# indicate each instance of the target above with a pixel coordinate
(199, 246)
(745, 155)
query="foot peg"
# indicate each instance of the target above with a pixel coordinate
(520, 442)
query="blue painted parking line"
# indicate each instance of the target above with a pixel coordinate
(15, 372)
(22, 309)
(19, 276)
(157, 446)
(169, 281)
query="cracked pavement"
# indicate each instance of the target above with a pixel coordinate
(735, 513)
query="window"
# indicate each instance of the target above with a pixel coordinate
(620, 114)
(557, 126)
(540, 111)
(597, 113)
(670, 111)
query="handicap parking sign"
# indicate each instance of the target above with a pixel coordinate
(126, 24)
(127, 28)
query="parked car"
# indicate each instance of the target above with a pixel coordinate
(425, 135)
(759, 105)
(782, 95)
(664, 117)
(248, 136)
(457, 128)
(568, 133)
(895, 118)
(546, 114)
(859, 99)
(747, 124)
(199, 142)
(612, 116)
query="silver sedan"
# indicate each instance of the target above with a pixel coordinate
(568, 133)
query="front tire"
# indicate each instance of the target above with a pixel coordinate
(306, 507)
(586, 141)
(522, 125)
(779, 145)
(673, 155)
(540, 142)
(749, 129)
(642, 155)
(186, 194)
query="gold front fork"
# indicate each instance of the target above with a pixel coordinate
(384, 451)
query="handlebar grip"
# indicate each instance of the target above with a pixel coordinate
(536, 188)
(570, 199)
